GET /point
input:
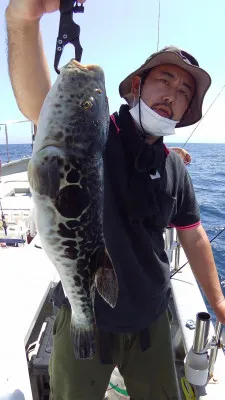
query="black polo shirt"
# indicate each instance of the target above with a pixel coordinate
(137, 248)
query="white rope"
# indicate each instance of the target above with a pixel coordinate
(158, 27)
(203, 116)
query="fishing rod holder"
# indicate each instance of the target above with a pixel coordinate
(172, 246)
(198, 364)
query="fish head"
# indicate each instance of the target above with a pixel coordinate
(75, 113)
(84, 105)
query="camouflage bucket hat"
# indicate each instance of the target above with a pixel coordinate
(173, 55)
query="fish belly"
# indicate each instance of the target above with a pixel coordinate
(69, 222)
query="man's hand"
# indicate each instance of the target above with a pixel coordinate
(186, 157)
(30, 80)
(32, 10)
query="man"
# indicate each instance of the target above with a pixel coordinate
(147, 188)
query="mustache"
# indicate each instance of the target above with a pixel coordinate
(166, 106)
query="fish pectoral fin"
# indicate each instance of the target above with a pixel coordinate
(44, 172)
(106, 280)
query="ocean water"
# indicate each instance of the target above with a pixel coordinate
(207, 170)
(16, 151)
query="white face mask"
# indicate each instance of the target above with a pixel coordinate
(153, 123)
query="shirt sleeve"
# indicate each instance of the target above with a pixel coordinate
(187, 215)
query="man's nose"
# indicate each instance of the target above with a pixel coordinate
(170, 96)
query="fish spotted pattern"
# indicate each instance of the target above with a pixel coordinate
(66, 180)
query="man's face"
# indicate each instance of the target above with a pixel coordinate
(168, 90)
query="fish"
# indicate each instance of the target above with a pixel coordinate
(66, 178)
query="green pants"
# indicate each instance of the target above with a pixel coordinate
(148, 375)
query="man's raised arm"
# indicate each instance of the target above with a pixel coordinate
(28, 68)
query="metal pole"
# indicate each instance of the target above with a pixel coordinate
(32, 131)
(6, 141)
(32, 134)
(177, 254)
(214, 350)
(6, 131)
(201, 331)
(168, 238)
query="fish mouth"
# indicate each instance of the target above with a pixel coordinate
(74, 64)
(51, 143)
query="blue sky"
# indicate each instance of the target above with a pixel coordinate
(119, 35)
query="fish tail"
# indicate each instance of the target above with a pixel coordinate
(83, 340)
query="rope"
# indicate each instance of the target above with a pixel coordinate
(179, 269)
(204, 115)
(158, 28)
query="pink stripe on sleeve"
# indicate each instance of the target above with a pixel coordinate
(166, 149)
(183, 228)
(114, 121)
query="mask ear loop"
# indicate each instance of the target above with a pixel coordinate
(144, 134)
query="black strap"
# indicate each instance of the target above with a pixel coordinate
(141, 159)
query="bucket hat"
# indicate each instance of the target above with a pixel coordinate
(174, 55)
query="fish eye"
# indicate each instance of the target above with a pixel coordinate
(87, 104)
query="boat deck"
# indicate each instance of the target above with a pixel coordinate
(28, 276)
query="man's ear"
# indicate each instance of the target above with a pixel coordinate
(136, 81)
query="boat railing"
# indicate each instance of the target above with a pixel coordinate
(199, 367)
(5, 126)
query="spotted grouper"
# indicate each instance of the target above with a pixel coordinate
(66, 179)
